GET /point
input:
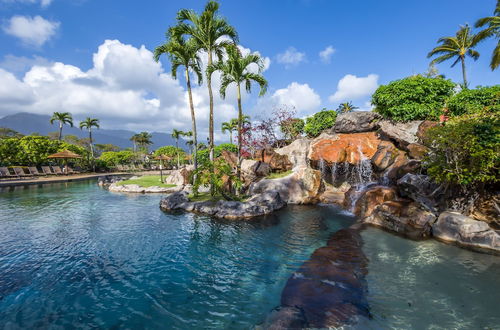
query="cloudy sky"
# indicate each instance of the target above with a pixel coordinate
(93, 57)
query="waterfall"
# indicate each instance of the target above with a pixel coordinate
(322, 167)
(334, 170)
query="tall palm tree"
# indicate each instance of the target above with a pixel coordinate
(176, 134)
(458, 47)
(62, 118)
(142, 140)
(492, 30)
(208, 30)
(346, 107)
(229, 126)
(134, 140)
(183, 53)
(88, 124)
(236, 70)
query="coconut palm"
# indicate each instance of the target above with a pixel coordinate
(237, 70)
(183, 53)
(346, 107)
(458, 48)
(63, 118)
(210, 32)
(229, 126)
(492, 30)
(88, 124)
(142, 140)
(176, 134)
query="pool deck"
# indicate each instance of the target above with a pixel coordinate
(66, 178)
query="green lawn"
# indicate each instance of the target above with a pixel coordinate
(147, 181)
(278, 175)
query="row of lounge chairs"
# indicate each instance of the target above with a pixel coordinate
(19, 172)
(130, 168)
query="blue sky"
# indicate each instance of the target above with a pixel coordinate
(371, 43)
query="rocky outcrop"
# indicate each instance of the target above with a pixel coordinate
(181, 176)
(403, 217)
(301, 187)
(253, 170)
(371, 198)
(459, 229)
(327, 291)
(255, 206)
(356, 122)
(134, 188)
(420, 188)
(107, 180)
(278, 162)
(401, 133)
(334, 195)
(340, 148)
(296, 152)
(423, 128)
(417, 151)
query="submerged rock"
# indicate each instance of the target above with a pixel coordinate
(255, 206)
(467, 232)
(329, 290)
(403, 217)
(356, 122)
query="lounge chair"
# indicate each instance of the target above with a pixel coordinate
(57, 170)
(5, 173)
(20, 172)
(34, 171)
(72, 171)
(47, 171)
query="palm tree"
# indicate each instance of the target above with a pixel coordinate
(493, 29)
(458, 47)
(346, 107)
(142, 139)
(236, 71)
(62, 118)
(183, 53)
(229, 126)
(176, 134)
(88, 124)
(208, 30)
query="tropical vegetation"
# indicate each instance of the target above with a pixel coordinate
(492, 30)
(64, 118)
(320, 121)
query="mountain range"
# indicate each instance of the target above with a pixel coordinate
(28, 123)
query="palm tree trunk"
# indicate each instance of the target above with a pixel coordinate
(463, 72)
(90, 141)
(211, 120)
(193, 122)
(60, 130)
(240, 119)
(177, 147)
(231, 136)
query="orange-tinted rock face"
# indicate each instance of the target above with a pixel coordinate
(346, 148)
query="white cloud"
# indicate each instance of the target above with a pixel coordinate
(43, 3)
(351, 87)
(326, 54)
(20, 64)
(125, 88)
(33, 31)
(291, 57)
(299, 96)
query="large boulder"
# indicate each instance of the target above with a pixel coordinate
(371, 198)
(385, 155)
(420, 188)
(277, 161)
(296, 152)
(459, 229)
(334, 195)
(424, 127)
(181, 176)
(301, 187)
(402, 133)
(340, 148)
(356, 122)
(417, 151)
(252, 170)
(404, 217)
(174, 201)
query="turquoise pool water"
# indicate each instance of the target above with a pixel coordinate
(76, 255)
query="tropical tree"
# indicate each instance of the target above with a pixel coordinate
(142, 140)
(229, 126)
(88, 124)
(63, 118)
(237, 69)
(492, 30)
(210, 32)
(183, 53)
(458, 48)
(176, 134)
(346, 107)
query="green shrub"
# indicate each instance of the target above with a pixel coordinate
(292, 127)
(113, 158)
(319, 122)
(465, 151)
(220, 175)
(413, 98)
(204, 155)
(170, 151)
(474, 100)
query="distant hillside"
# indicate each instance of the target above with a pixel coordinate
(27, 123)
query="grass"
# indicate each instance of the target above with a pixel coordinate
(278, 175)
(147, 181)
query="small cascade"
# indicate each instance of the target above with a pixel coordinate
(334, 172)
(322, 168)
